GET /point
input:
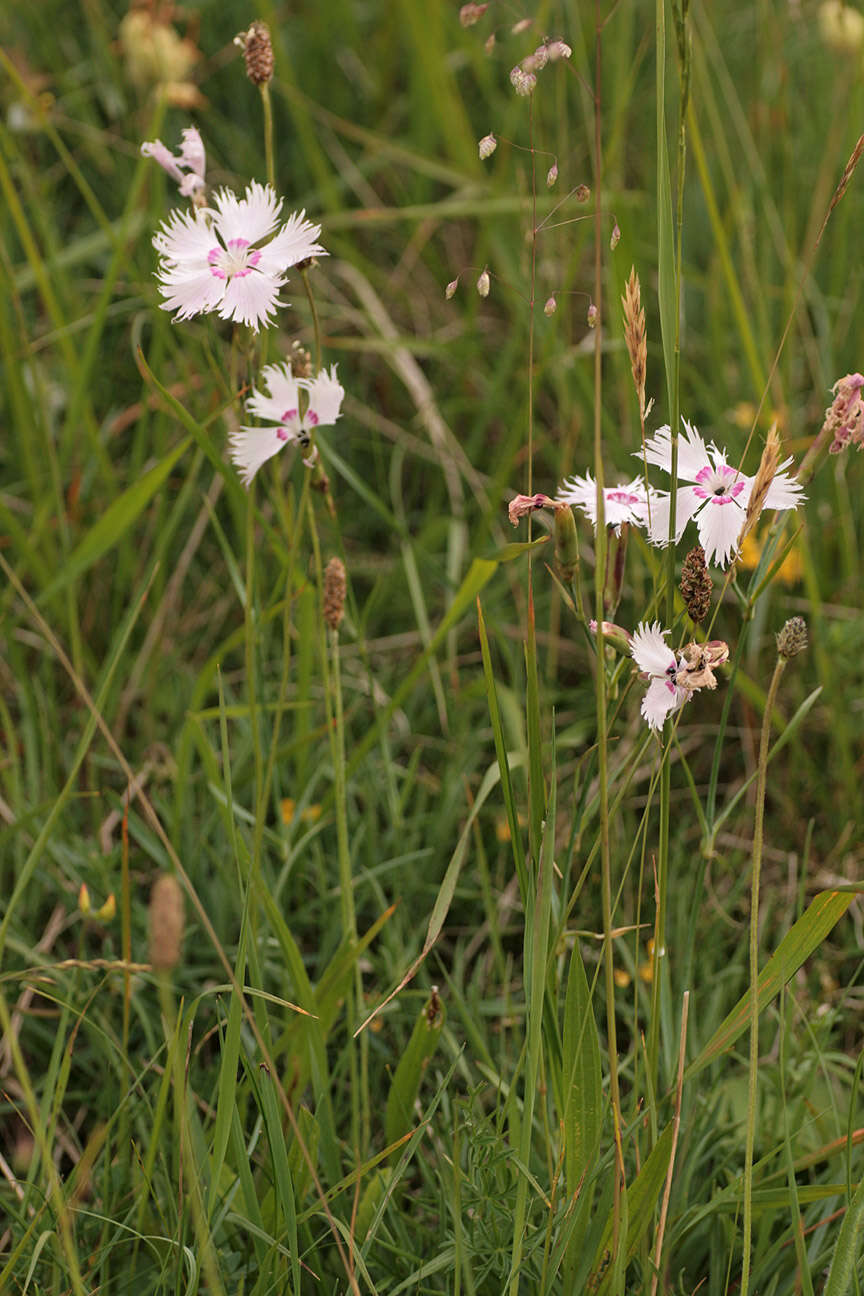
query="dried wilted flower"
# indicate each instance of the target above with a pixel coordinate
(792, 639)
(552, 175)
(483, 284)
(551, 306)
(258, 52)
(696, 584)
(699, 662)
(635, 337)
(593, 316)
(334, 592)
(469, 14)
(844, 417)
(166, 922)
(521, 505)
(487, 146)
(451, 288)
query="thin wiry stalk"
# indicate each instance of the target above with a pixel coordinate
(758, 833)
(599, 581)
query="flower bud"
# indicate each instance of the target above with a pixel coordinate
(792, 639)
(483, 284)
(552, 175)
(593, 316)
(451, 288)
(550, 307)
(566, 542)
(616, 237)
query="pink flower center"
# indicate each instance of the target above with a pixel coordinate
(622, 497)
(286, 431)
(233, 261)
(719, 485)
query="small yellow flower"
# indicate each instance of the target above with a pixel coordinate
(108, 909)
(308, 815)
(621, 977)
(84, 899)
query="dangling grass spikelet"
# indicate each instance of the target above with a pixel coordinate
(166, 923)
(334, 592)
(634, 336)
(761, 482)
(258, 53)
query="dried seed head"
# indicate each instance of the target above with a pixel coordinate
(551, 306)
(523, 82)
(792, 639)
(593, 316)
(258, 53)
(483, 284)
(765, 474)
(635, 337)
(334, 592)
(844, 417)
(582, 193)
(469, 14)
(696, 584)
(166, 922)
(552, 175)
(487, 146)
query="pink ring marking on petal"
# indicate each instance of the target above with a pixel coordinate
(704, 474)
(737, 488)
(282, 434)
(700, 493)
(621, 497)
(721, 499)
(289, 416)
(311, 418)
(237, 244)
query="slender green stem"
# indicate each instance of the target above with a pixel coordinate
(758, 831)
(316, 323)
(268, 134)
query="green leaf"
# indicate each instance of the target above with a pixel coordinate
(641, 1199)
(850, 1241)
(582, 1079)
(405, 1086)
(114, 522)
(797, 945)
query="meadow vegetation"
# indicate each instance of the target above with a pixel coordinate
(370, 921)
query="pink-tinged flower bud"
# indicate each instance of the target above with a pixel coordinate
(614, 634)
(552, 175)
(616, 237)
(84, 899)
(522, 82)
(469, 14)
(487, 146)
(551, 306)
(593, 316)
(483, 284)
(451, 288)
(582, 193)
(522, 25)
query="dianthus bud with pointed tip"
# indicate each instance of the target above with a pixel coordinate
(487, 146)
(582, 193)
(566, 542)
(616, 237)
(792, 639)
(593, 316)
(483, 284)
(166, 922)
(451, 288)
(469, 14)
(334, 592)
(551, 306)
(257, 52)
(552, 175)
